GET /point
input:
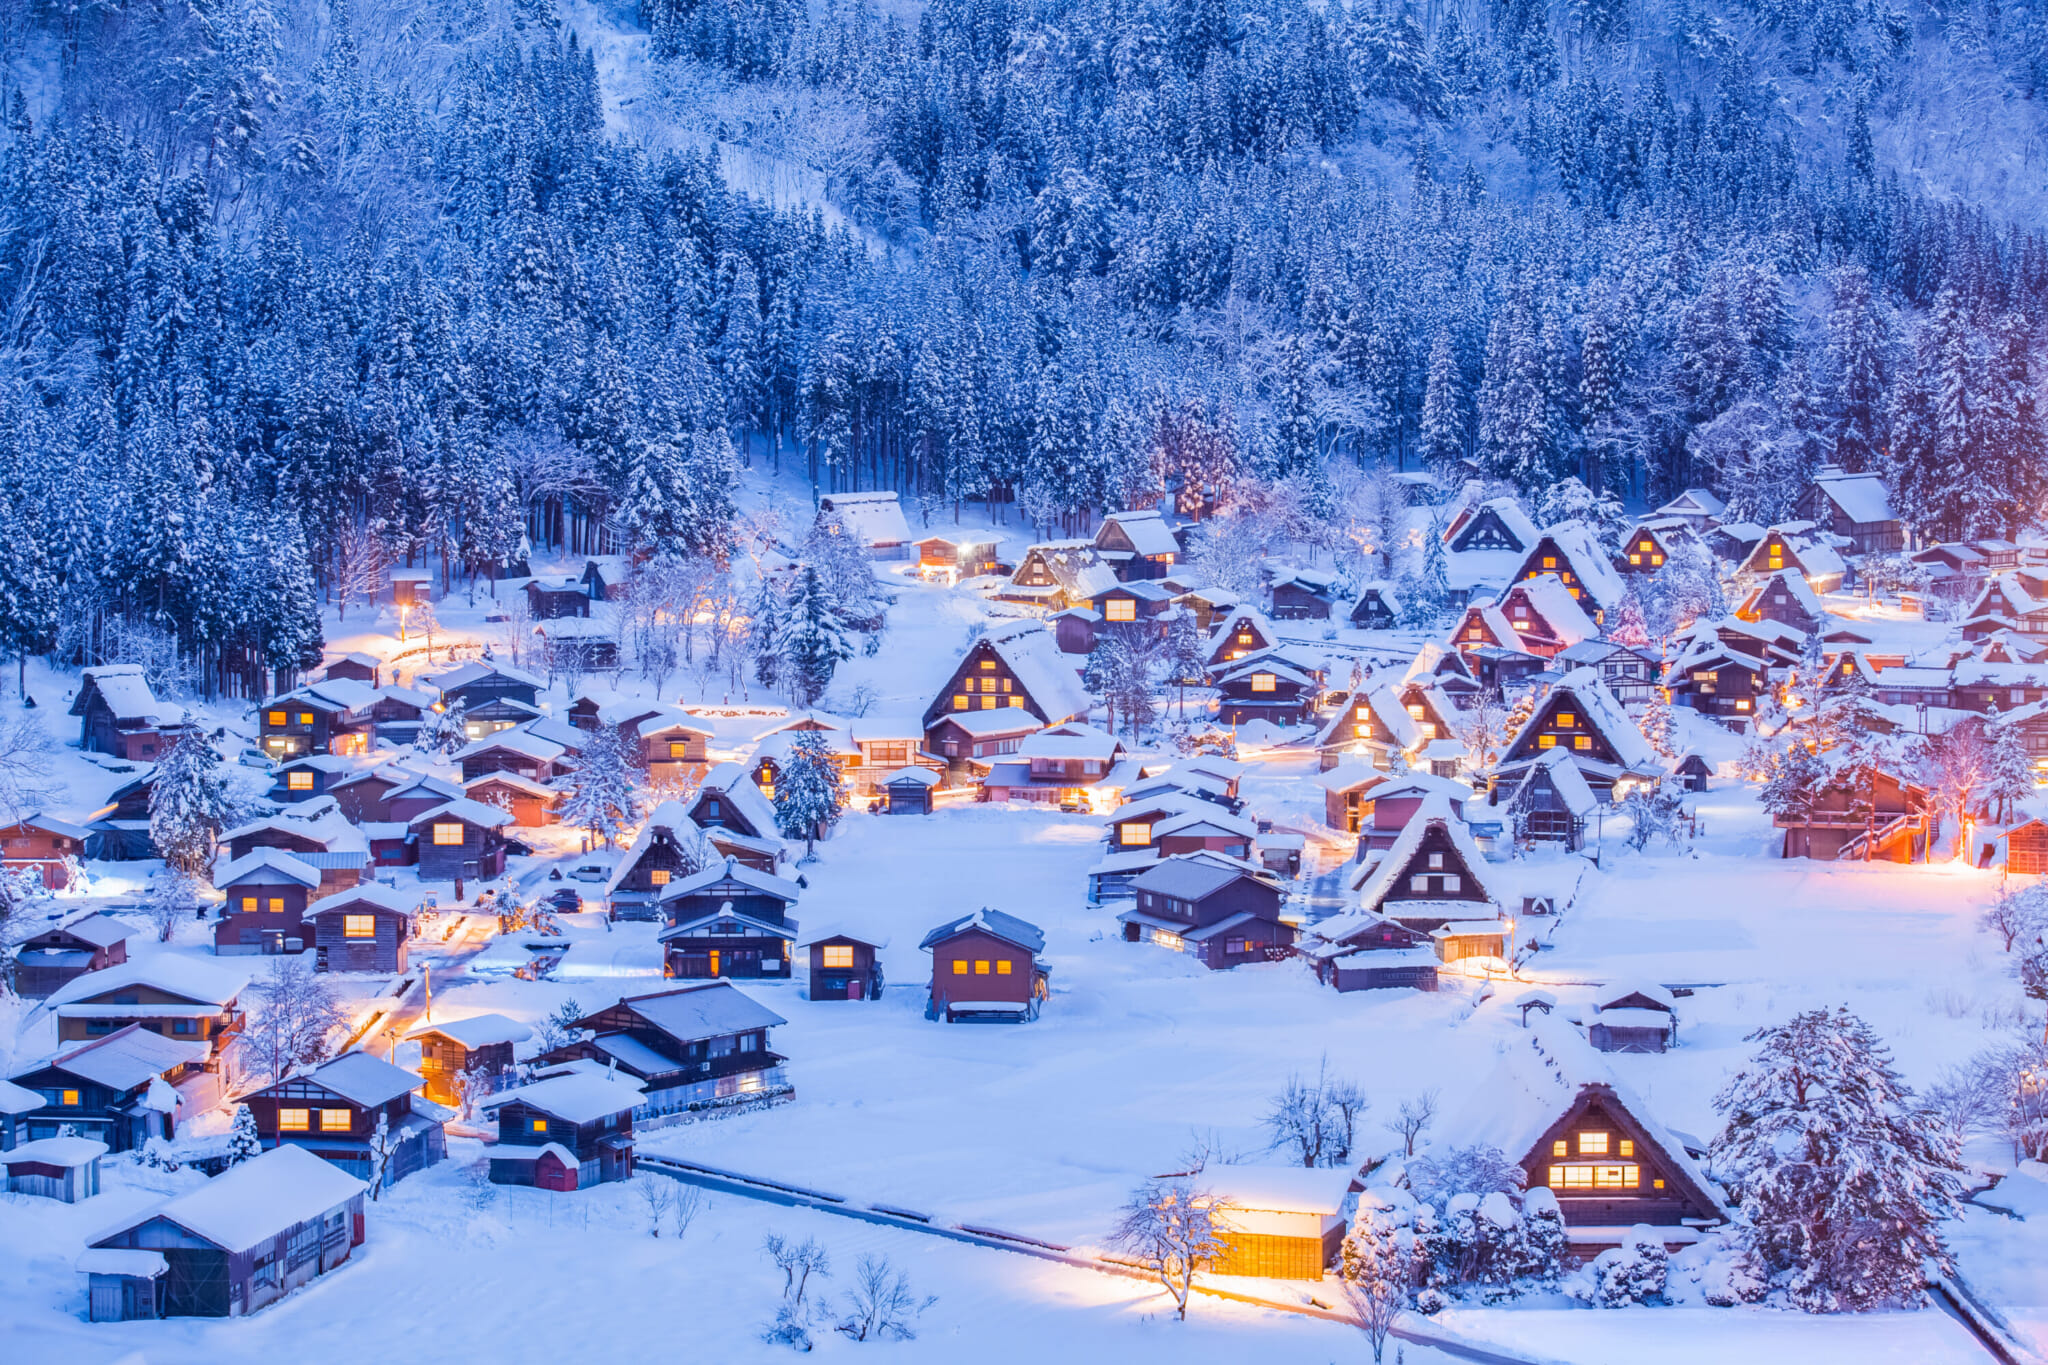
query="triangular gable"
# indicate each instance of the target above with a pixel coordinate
(1242, 633)
(1602, 1108)
(1497, 524)
(1579, 708)
(1481, 627)
(1570, 551)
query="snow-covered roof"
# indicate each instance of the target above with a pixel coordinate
(518, 741)
(731, 782)
(267, 864)
(871, 518)
(371, 894)
(1346, 777)
(50, 824)
(464, 809)
(1008, 928)
(55, 1151)
(18, 1099)
(1001, 722)
(126, 692)
(1598, 705)
(100, 930)
(1580, 546)
(1816, 556)
(1033, 657)
(1861, 497)
(1803, 595)
(464, 675)
(1266, 662)
(1634, 1018)
(1187, 879)
(1071, 741)
(350, 694)
(1209, 814)
(576, 1097)
(1622, 990)
(923, 777)
(1278, 1189)
(478, 1030)
(731, 869)
(1492, 617)
(364, 1079)
(319, 820)
(1571, 784)
(188, 978)
(139, 1265)
(711, 1010)
(124, 1060)
(1553, 601)
(1693, 502)
(254, 1201)
(514, 781)
(1378, 882)
(1147, 531)
(1395, 724)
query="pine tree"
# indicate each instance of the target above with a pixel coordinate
(1657, 726)
(764, 634)
(189, 805)
(603, 796)
(2011, 774)
(1844, 1177)
(1187, 656)
(810, 794)
(243, 1140)
(814, 639)
(1442, 438)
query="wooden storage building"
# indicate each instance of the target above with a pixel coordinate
(44, 845)
(843, 967)
(366, 929)
(986, 966)
(565, 1132)
(334, 1110)
(117, 1089)
(66, 1169)
(908, 791)
(267, 893)
(460, 839)
(701, 1046)
(182, 998)
(479, 1046)
(55, 957)
(119, 715)
(1285, 1222)
(728, 921)
(1222, 916)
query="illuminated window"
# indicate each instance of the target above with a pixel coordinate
(959, 703)
(678, 748)
(294, 1120)
(1657, 1184)
(1550, 561)
(335, 1120)
(659, 876)
(1122, 609)
(1627, 1147)
(1592, 1144)
(1003, 967)
(276, 718)
(1655, 561)
(1416, 710)
(248, 905)
(1635, 559)
(1017, 701)
(300, 781)
(1363, 729)
(70, 1098)
(1137, 834)
(448, 834)
(1006, 684)
(1566, 720)
(981, 967)
(1742, 704)
(277, 905)
(959, 966)
(1616, 1177)
(1546, 741)
(988, 665)
(1264, 682)
(536, 1125)
(838, 955)
(305, 717)
(1560, 1148)
(988, 703)
(1582, 741)
(359, 926)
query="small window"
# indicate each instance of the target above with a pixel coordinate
(536, 1125)
(959, 966)
(1419, 884)
(1017, 702)
(1566, 720)
(658, 877)
(1627, 1147)
(678, 749)
(276, 718)
(988, 665)
(1592, 1144)
(980, 967)
(277, 905)
(1452, 882)
(294, 1120)
(359, 926)
(305, 717)
(1550, 561)
(1135, 834)
(1436, 860)
(838, 955)
(1003, 967)
(336, 1120)
(448, 834)
(1560, 1148)
(300, 780)
(1546, 741)
(69, 1099)
(248, 905)
(1120, 609)
(1264, 682)
(1582, 741)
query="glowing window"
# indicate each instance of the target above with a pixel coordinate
(1416, 710)
(1006, 684)
(1560, 1148)
(960, 966)
(988, 665)
(981, 967)
(1264, 682)
(70, 1098)
(678, 748)
(277, 905)
(838, 955)
(1474, 634)
(1003, 967)
(1635, 559)
(1363, 729)
(659, 876)
(276, 718)
(988, 703)
(1582, 741)
(248, 905)
(1134, 833)
(1656, 560)
(1627, 1147)
(959, 703)
(1616, 1177)
(1550, 561)
(536, 1125)
(1121, 609)
(359, 926)
(300, 781)
(295, 1120)
(1566, 720)
(335, 1120)
(1017, 701)
(305, 717)
(1592, 1144)
(1546, 741)
(448, 834)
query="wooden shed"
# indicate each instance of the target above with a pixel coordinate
(57, 956)
(44, 845)
(1634, 1018)
(843, 967)
(1285, 1222)
(480, 1046)
(367, 929)
(564, 1132)
(334, 1111)
(63, 1168)
(2026, 849)
(985, 966)
(909, 791)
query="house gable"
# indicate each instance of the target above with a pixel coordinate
(1562, 722)
(1606, 1167)
(1486, 530)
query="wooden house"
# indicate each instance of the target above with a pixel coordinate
(1136, 544)
(367, 929)
(182, 998)
(700, 1046)
(327, 717)
(564, 1133)
(1718, 680)
(908, 791)
(1551, 802)
(335, 1111)
(1265, 690)
(316, 833)
(588, 643)
(604, 577)
(456, 1053)
(1493, 525)
(267, 893)
(1581, 716)
(550, 599)
(1197, 828)
(1572, 551)
(1638, 1017)
(44, 845)
(1482, 626)
(1140, 602)
(729, 799)
(1063, 765)
(411, 587)
(235, 1244)
(874, 521)
(1013, 665)
(514, 751)
(16, 1104)
(367, 669)
(50, 958)
(1300, 594)
(1370, 723)
(119, 715)
(1693, 771)
(1377, 607)
(1208, 604)
(951, 558)
(1631, 674)
(727, 921)
(843, 967)
(665, 849)
(399, 714)
(962, 737)
(1696, 507)
(1855, 507)
(492, 696)
(1784, 597)
(670, 747)
(1347, 801)
(1220, 915)
(1076, 630)
(1284, 1222)
(308, 776)
(986, 966)
(460, 839)
(362, 796)
(66, 1169)
(115, 1088)
(1881, 818)
(1653, 543)
(1058, 575)
(1545, 617)
(2026, 849)
(529, 803)
(1244, 632)
(119, 830)
(1797, 545)
(1432, 875)
(2013, 601)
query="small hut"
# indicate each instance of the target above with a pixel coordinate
(843, 967)
(66, 1168)
(909, 791)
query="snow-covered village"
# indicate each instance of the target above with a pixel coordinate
(1300, 680)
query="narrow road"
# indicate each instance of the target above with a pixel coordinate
(447, 963)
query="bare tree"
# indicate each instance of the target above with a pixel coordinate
(799, 1262)
(25, 752)
(517, 630)
(688, 1203)
(1173, 1228)
(658, 1194)
(358, 568)
(1317, 1121)
(881, 1306)
(2017, 913)
(1957, 763)
(296, 1015)
(1376, 1274)
(382, 1147)
(173, 896)
(1413, 1120)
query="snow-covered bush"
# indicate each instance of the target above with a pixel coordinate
(1636, 1272)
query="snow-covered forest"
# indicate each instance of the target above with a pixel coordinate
(291, 288)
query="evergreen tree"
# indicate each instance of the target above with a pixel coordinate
(810, 794)
(244, 1143)
(1442, 438)
(814, 639)
(603, 798)
(1844, 1177)
(189, 805)
(2010, 777)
